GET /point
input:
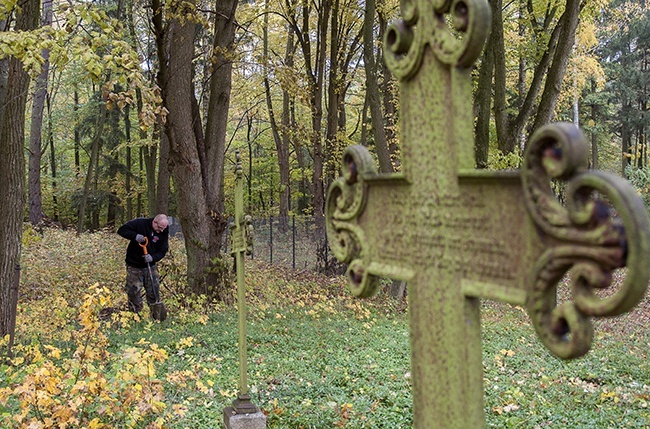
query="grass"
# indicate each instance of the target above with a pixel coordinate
(317, 358)
(527, 387)
(304, 370)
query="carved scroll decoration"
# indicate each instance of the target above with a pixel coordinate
(346, 200)
(454, 29)
(604, 226)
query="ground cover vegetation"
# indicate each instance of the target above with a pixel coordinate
(137, 107)
(318, 358)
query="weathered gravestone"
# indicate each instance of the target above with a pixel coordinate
(458, 235)
(243, 414)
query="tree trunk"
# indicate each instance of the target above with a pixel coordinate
(128, 162)
(594, 136)
(521, 75)
(482, 104)
(163, 182)
(287, 102)
(4, 77)
(365, 122)
(92, 166)
(314, 73)
(334, 85)
(568, 24)
(316, 100)
(510, 129)
(150, 159)
(12, 173)
(50, 137)
(36, 131)
(626, 137)
(4, 72)
(162, 40)
(138, 198)
(641, 145)
(281, 143)
(77, 137)
(200, 199)
(184, 155)
(372, 88)
(506, 135)
(390, 99)
(220, 87)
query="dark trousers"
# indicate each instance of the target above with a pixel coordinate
(136, 280)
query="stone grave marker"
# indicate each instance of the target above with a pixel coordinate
(457, 235)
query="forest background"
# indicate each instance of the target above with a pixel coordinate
(117, 109)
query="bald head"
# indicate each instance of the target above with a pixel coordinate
(160, 222)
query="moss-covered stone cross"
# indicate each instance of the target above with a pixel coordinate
(458, 235)
(240, 242)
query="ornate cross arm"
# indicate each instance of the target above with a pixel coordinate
(346, 200)
(604, 226)
(241, 230)
(241, 236)
(426, 23)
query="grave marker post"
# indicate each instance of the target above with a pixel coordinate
(457, 235)
(243, 414)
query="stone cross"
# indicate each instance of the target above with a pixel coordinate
(243, 414)
(457, 235)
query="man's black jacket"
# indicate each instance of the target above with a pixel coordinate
(158, 242)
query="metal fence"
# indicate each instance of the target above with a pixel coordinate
(292, 241)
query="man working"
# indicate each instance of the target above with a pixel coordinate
(141, 267)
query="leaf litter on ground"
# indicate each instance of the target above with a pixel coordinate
(317, 357)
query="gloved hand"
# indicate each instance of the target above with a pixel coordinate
(148, 258)
(139, 238)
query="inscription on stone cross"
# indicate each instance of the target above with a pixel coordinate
(458, 235)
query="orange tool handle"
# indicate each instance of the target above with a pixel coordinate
(144, 245)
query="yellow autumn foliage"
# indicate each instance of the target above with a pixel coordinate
(85, 385)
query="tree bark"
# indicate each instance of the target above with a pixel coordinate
(128, 162)
(510, 129)
(287, 103)
(346, 36)
(390, 98)
(281, 142)
(4, 73)
(77, 137)
(521, 75)
(50, 137)
(333, 90)
(199, 188)
(36, 129)
(625, 139)
(316, 98)
(372, 88)
(150, 159)
(482, 104)
(92, 166)
(594, 136)
(184, 156)
(164, 179)
(12, 173)
(506, 136)
(220, 87)
(314, 72)
(568, 24)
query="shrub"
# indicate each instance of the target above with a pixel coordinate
(80, 383)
